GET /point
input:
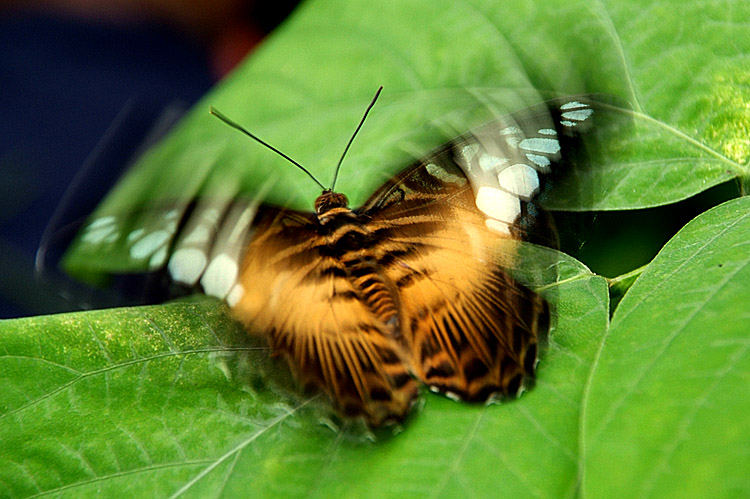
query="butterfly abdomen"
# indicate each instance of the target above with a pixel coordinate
(353, 245)
(376, 292)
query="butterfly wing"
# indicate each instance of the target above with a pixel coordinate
(313, 316)
(472, 329)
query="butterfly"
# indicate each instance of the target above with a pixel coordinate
(365, 304)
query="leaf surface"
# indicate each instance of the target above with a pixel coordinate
(665, 411)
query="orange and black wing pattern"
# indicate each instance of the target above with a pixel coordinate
(471, 329)
(309, 303)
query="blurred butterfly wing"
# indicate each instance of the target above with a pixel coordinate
(472, 329)
(307, 307)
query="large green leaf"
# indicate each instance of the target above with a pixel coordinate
(666, 406)
(157, 400)
(447, 66)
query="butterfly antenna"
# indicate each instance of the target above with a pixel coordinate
(336, 174)
(234, 125)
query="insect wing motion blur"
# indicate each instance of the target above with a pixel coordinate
(365, 303)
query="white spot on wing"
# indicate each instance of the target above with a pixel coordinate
(542, 145)
(498, 204)
(497, 226)
(488, 162)
(519, 179)
(149, 244)
(568, 123)
(158, 258)
(220, 276)
(101, 230)
(453, 396)
(211, 214)
(512, 135)
(542, 161)
(578, 114)
(200, 234)
(241, 223)
(108, 220)
(547, 131)
(572, 104)
(186, 265)
(441, 174)
(469, 151)
(235, 295)
(136, 234)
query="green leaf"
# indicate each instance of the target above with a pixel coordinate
(176, 399)
(447, 67)
(665, 409)
(156, 400)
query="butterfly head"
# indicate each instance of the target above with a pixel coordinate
(330, 203)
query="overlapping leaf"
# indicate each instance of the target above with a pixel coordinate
(665, 409)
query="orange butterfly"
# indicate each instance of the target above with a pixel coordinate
(364, 303)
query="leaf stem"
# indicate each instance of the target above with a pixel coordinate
(744, 181)
(632, 275)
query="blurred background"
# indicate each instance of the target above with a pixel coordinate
(86, 79)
